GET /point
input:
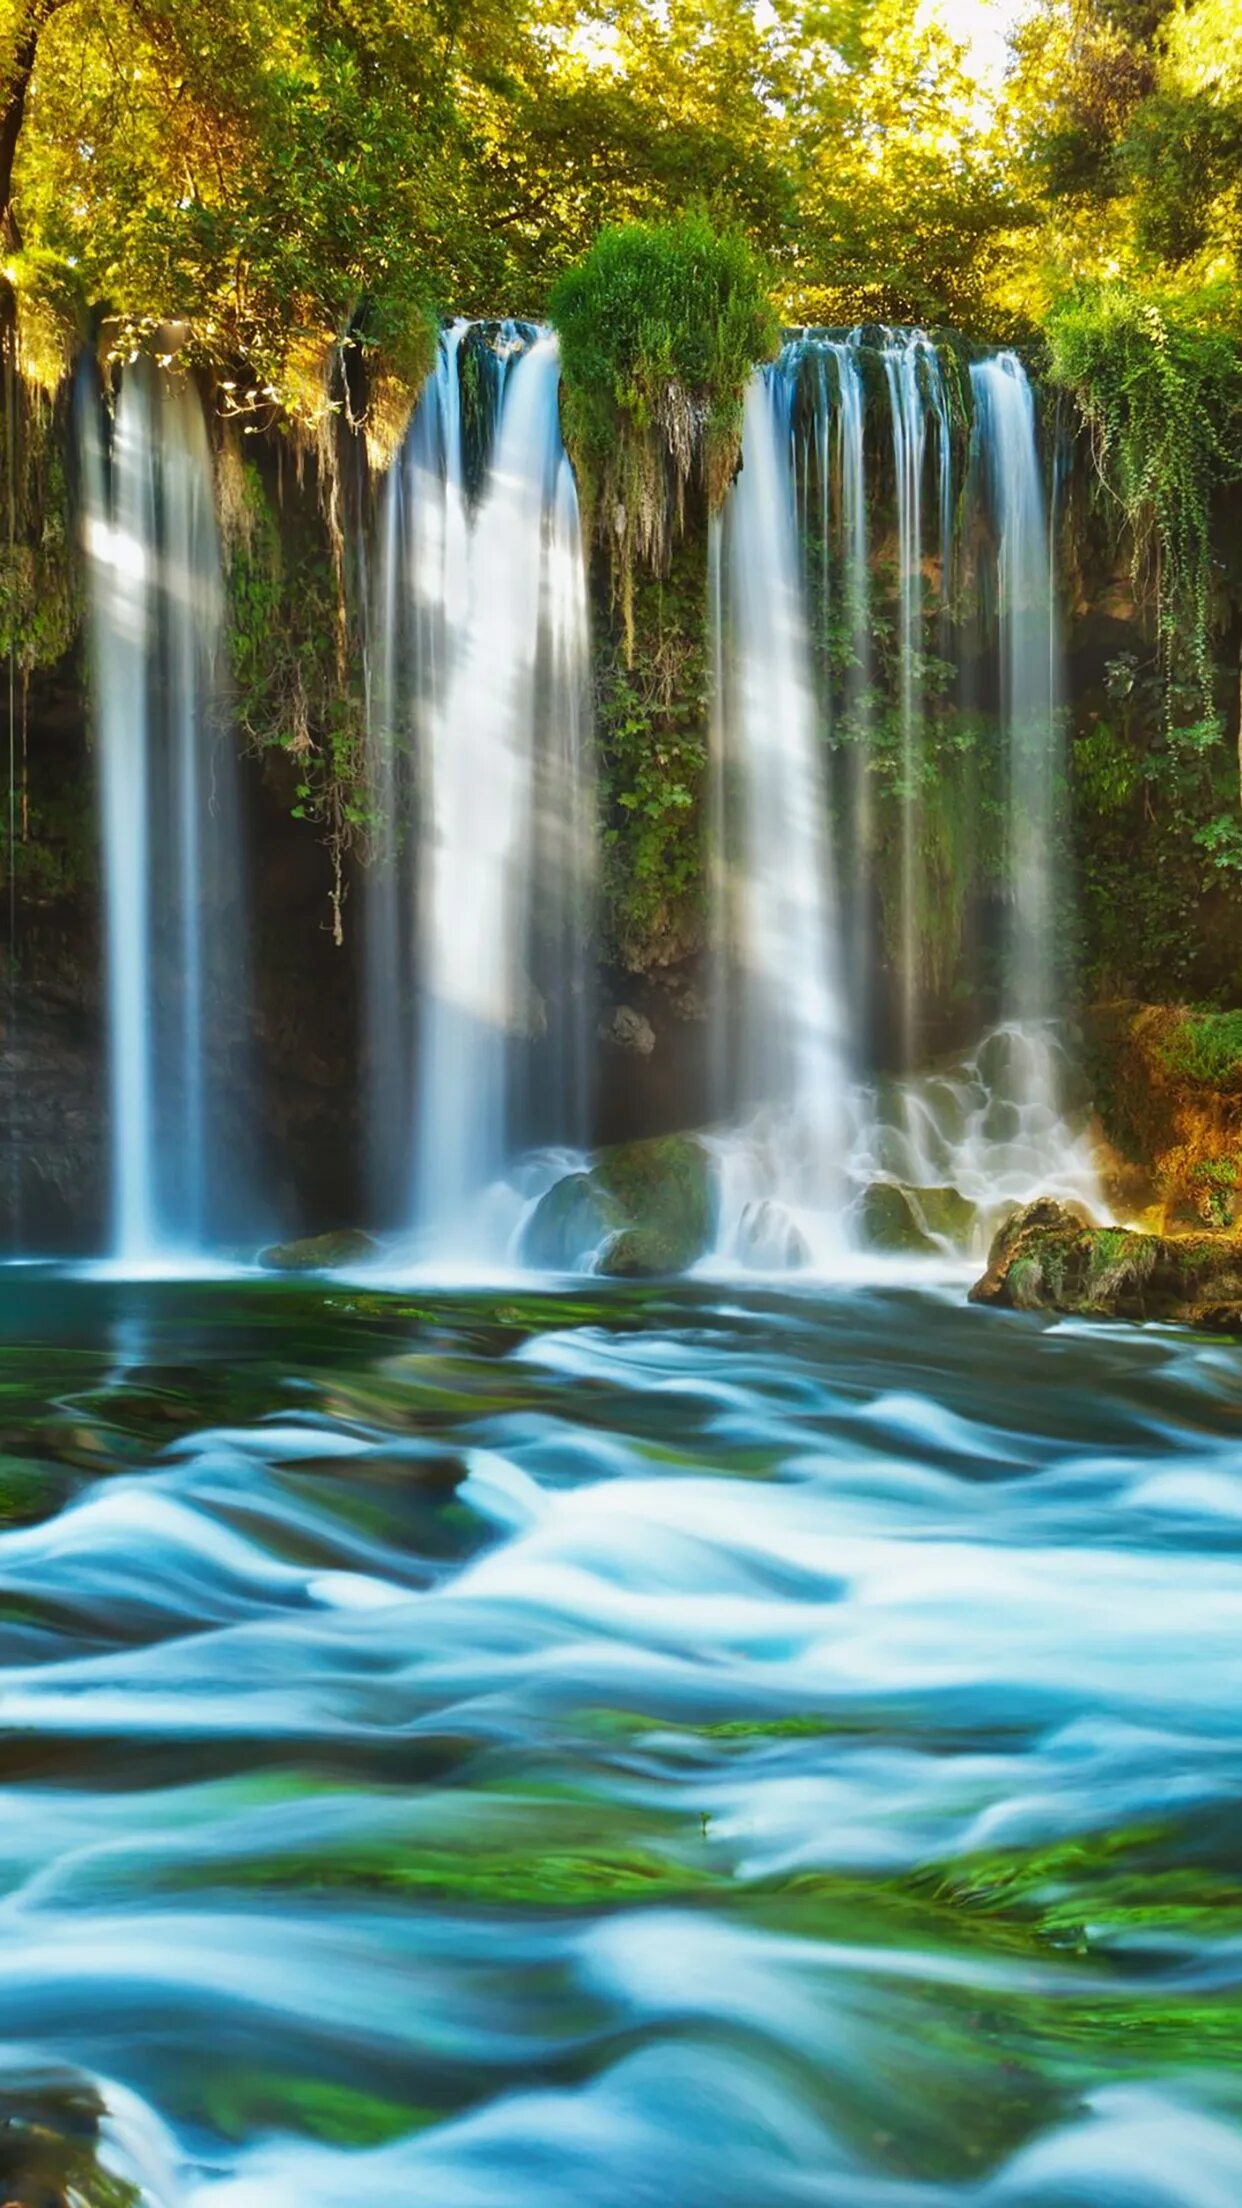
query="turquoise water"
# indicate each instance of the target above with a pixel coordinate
(667, 1746)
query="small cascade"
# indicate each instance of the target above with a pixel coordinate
(483, 787)
(176, 990)
(915, 389)
(828, 740)
(1013, 485)
(853, 715)
(417, 617)
(782, 1018)
(1017, 502)
(991, 1125)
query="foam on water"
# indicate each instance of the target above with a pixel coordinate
(559, 1756)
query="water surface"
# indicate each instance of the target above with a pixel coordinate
(697, 1746)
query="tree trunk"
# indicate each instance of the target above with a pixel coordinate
(13, 113)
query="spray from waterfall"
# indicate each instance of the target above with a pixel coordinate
(175, 966)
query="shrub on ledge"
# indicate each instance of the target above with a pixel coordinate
(660, 327)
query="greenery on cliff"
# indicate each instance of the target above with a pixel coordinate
(289, 192)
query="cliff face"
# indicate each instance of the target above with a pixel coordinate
(1152, 869)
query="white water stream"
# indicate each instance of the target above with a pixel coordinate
(175, 963)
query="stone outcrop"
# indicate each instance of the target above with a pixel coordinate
(1051, 1257)
(897, 1220)
(639, 1210)
(320, 1253)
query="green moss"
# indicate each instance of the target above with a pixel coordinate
(297, 675)
(1160, 384)
(660, 327)
(1205, 1047)
(651, 724)
(239, 2104)
(666, 1191)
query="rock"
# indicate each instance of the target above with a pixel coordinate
(639, 1209)
(945, 1212)
(665, 1191)
(320, 1252)
(629, 1030)
(1050, 1257)
(915, 1221)
(569, 1223)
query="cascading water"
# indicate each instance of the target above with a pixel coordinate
(481, 759)
(855, 594)
(782, 1015)
(1014, 486)
(915, 385)
(992, 1123)
(416, 620)
(175, 962)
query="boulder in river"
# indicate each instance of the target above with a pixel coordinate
(320, 1253)
(1051, 1257)
(647, 1208)
(897, 1219)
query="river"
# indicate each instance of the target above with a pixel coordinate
(698, 1745)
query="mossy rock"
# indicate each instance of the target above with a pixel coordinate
(320, 1253)
(665, 1192)
(914, 1221)
(888, 1222)
(639, 1210)
(31, 1490)
(1051, 1257)
(569, 1223)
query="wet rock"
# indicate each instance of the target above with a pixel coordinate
(569, 1224)
(629, 1030)
(914, 1221)
(320, 1252)
(947, 1213)
(1051, 1257)
(665, 1191)
(640, 1209)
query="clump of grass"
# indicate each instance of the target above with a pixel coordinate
(1206, 1046)
(660, 327)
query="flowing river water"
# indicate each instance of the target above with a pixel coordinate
(707, 1745)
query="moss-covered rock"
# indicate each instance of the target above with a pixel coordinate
(1167, 1082)
(639, 1210)
(665, 1190)
(917, 1221)
(316, 1253)
(569, 1224)
(1050, 1257)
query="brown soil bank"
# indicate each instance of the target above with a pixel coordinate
(1167, 1083)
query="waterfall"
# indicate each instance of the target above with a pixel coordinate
(915, 386)
(482, 787)
(174, 957)
(785, 1025)
(1027, 643)
(415, 621)
(792, 589)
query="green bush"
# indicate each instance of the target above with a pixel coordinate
(1208, 1047)
(660, 328)
(1160, 385)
